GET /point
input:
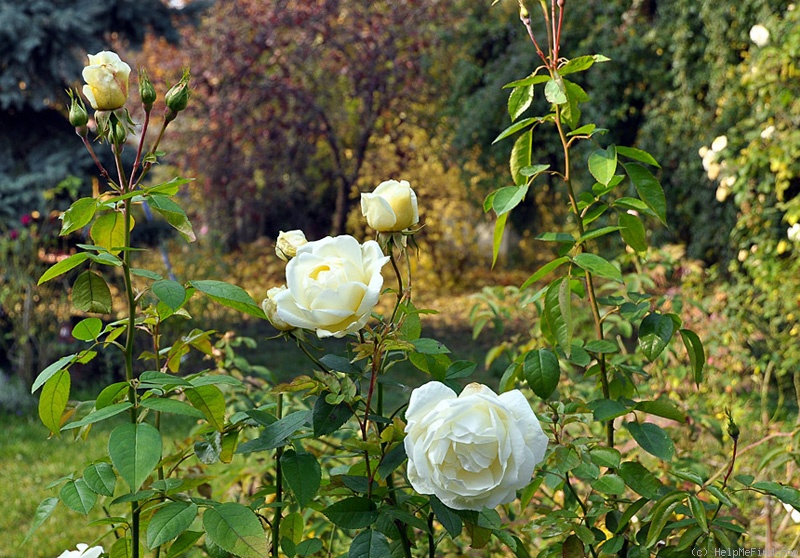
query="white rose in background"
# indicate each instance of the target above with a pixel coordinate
(106, 79)
(759, 35)
(83, 552)
(288, 242)
(719, 143)
(332, 286)
(473, 450)
(794, 233)
(391, 207)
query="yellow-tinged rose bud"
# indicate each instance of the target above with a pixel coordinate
(146, 90)
(288, 242)
(106, 79)
(271, 309)
(391, 207)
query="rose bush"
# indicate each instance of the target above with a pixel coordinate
(106, 79)
(332, 286)
(473, 450)
(391, 207)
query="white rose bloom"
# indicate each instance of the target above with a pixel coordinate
(332, 286)
(474, 450)
(722, 193)
(391, 207)
(288, 242)
(767, 132)
(719, 143)
(759, 35)
(83, 552)
(794, 233)
(106, 79)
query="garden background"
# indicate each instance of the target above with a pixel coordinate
(298, 107)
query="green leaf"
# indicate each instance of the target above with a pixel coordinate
(530, 80)
(661, 514)
(78, 215)
(519, 100)
(211, 401)
(352, 513)
(53, 400)
(605, 457)
(173, 406)
(521, 157)
(169, 522)
(59, 365)
(571, 112)
(698, 512)
(507, 198)
(63, 266)
(121, 549)
(135, 450)
(652, 439)
(533, 170)
(633, 232)
(649, 189)
(185, 542)
(43, 511)
(90, 293)
(87, 329)
(370, 544)
(230, 296)
(327, 418)
(638, 155)
(603, 164)
(595, 233)
(601, 346)
(235, 529)
(640, 479)
(697, 355)
(100, 478)
(662, 407)
(558, 313)
(78, 497)
(541, 372)
(146, 273)
(449, 519)
(555, 92)
(169, 188)
(99, 415)
(572, 548)
(174, 215)
(562, 237)
(544, 270)
(303, 475)
(497, 239)
(607, 409)
(579, 64)
(276, 434)
(598, 265)
(609, 484)
(169, 292)
(585, 130)
(655, 333)
(514, 128)
(785, 494)
(108, 231)
(429, 347)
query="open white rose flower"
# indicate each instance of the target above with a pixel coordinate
(474, 450)
(83, 552)
(391, 207)
(332, 286)
(106, 79)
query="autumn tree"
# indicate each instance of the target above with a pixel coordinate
(289, 96)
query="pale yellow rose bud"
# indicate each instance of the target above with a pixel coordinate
(288, 242)
(106, 79)
(391, 207)
(271, 309)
